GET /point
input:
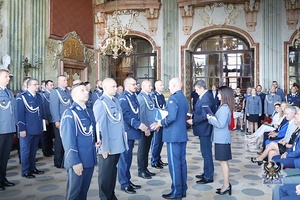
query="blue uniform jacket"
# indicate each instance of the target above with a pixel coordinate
(269, 103)
(60, 100)
(78, 136)
(280, 93)
(216, 102)
(89, 103)
(253, 105)
(109, 117)
(159, 100)
(294, 152)
(46, 105)
(96, 95)
(7, 112)
(174, 125)
(30, 113)
(262, 98)
(221, 121)
(201, 127)
(146, 108)
(293, 100)
(131, 108)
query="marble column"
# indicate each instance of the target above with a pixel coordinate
(170, 51)
(272, 67)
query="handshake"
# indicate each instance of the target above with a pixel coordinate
(154, 126)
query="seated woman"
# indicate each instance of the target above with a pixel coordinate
(291, 158)
(276, 120)
(275, 148)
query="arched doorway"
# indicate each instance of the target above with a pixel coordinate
(141, 64)
(222, 58)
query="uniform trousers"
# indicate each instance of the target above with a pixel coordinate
(143, 152)
(124, 165)
(206, 151)
(156, 148)
(47, 140)
(177, 167)
(107, 175)
(78, 186)
(28, 149)
(287, 162)
(288, 192)
(6, 142)
(58, 148)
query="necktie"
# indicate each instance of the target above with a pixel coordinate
(150, 97)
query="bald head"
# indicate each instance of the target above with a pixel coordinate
(146, 86)
(109, 87)
(159, 86)
(175, 84)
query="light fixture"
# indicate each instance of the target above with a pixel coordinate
(115, 44)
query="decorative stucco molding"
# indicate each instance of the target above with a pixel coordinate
(251, 9)
(187, 14)
(220, 14)
(152, 17)
(292, 13)
(1, 29)
(100, 21)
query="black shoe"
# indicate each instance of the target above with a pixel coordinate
(129, 190)
(7, 183)
(28, 176)
(157, 166)
(149, 173)
(2, 187)
(135, 186)
(59, 166)
(200, 176)
(162, 163)
(47, 154)
(36, 171)
(171, 196)
(259, 162)
(144, 175)
(228, 189)
(204, 181)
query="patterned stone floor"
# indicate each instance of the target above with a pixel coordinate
(245, 178)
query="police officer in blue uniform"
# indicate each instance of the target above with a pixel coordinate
(293, 98)
(89, 102)
(147, 117)
(175, 135)
(78, 139)
(30, 123)
(157, 143)
(48, 134)
(133, 127)
(111, 133)
(98, 91)
(8, 126)
(60, 100)
(262, 97)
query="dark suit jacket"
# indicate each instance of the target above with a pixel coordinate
(201, 127)
(216, 101)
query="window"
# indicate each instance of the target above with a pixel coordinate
(223, 60)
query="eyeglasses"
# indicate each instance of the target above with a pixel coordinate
(134, 84)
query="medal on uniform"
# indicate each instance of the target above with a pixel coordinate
(114, 114)
(3, 102)
(84, 128)
(65, 99)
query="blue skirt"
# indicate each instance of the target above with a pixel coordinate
(223, 152)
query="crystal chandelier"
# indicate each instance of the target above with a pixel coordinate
(115, 44)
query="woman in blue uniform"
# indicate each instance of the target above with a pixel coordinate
(221, 134)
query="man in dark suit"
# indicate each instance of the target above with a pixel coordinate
(134, 128)
(175, 135)
(216, 101)
(203, 130)
(110, 129)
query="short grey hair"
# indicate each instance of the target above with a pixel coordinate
(291, 109)
(200, 84)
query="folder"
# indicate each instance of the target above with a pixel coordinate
(208, 110)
